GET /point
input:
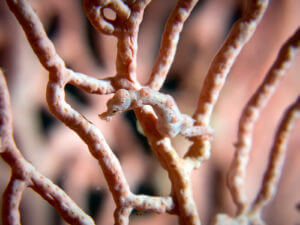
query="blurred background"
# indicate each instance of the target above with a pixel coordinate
(61, 156)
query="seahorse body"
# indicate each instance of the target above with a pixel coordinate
(170, 120)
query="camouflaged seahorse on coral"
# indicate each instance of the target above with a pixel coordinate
(170, 121)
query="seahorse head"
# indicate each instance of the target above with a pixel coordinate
(120, 102)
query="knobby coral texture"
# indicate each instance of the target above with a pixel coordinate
(149, 112)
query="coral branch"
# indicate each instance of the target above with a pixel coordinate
(169, 42)
(125, 27)
(90, 84)
(11, 201)
(90, 134)
(46, 53)
(24, 174)
(278, 152)
(5, 116)
(178, 171)
(239, 35)
(56, 197)
(95, 12)
(152, 204)
(252, 214)
(37, 37)
(121, 215)
(250, 115)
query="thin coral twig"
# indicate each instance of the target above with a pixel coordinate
(45, 50)
(24, 174)
(5, 116)
(121, 215)
(125, 28)
(272, 175)
(169, 42)
(278, 152)
(239, 35)
(90, 84)
(152, 204)
(179, 176)
(11, 201)
(35, 34)
(14, 190)
(250, 115)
